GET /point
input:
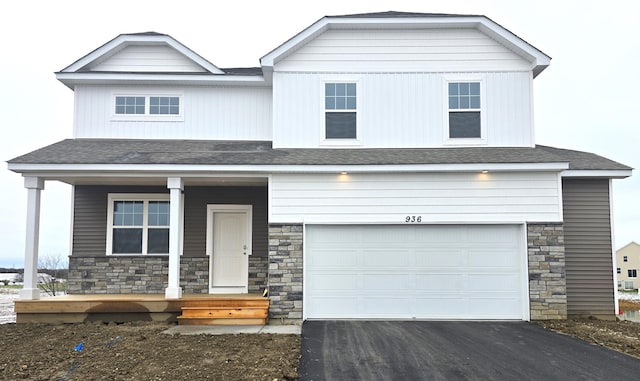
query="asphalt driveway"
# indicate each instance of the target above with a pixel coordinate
(427, 350)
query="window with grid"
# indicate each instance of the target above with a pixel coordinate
(138, 225)
(164, 105)
(632, 273)
(148, 106)
(464, 110)
(340, 104)
(126, 105)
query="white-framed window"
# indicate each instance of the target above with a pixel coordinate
(340, 111)
(618, 270)
(137, 224)
(625, 259)
(465, 111)
(147, 107)
(632, 273)
(628, 285)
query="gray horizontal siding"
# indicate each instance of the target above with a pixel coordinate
(90, 216)
(588, 247)
(195, 215)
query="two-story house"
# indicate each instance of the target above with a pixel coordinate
(628, 266)
(375, 165)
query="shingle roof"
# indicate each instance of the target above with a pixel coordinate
(243, 71)
(207, 152)
(401, 14)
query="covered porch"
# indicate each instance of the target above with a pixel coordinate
(206, 260)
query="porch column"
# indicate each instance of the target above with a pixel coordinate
(175, 185)
(30, 290)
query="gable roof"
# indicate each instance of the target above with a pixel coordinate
(630, 246)
(385, 20)
(84, 69)
(261, 153)
(122, 41)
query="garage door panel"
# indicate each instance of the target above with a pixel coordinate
(440, 307)
(488, 234)
(387, 258)
(384, 307)
(495, 308)
(440, 282)
(383, 282)
(497, 258)
(439, 257)
(494, 283)
(416, 271)
(326, 307)
(333, 281)
(342, 259)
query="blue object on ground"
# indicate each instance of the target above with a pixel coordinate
(79, 347)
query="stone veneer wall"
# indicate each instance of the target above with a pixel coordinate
(134, 275)
(547, 278)
(258, 269)
(285, 272)
(194, 275)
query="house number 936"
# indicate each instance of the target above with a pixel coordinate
(413, 219)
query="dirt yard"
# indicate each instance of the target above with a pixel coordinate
(622, 336)
(139, 351)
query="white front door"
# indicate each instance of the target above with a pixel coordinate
(229, 247)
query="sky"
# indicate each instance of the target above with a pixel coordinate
(588, 99)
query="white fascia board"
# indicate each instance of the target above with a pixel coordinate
(131, 39)
(205, 79)
(538, 59)
(613, 174)
(46, 170)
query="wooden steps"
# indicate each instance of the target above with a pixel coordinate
(226, 312)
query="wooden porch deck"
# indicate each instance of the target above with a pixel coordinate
(208, 308)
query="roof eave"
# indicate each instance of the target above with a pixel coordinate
(48, 170)
(100, 78)
(602, 173)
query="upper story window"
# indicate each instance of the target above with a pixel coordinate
(633, 273)
(164, 105)
(138, 224)
(625, 259)
(464, 110)
(147, 107)
(130, 105)
(340, 105)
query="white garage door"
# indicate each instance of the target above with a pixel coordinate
(416, 271)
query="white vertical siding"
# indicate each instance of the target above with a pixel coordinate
(148, 58)
(434, 50)
(435, 197)
(399, 109)
(221, 113)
